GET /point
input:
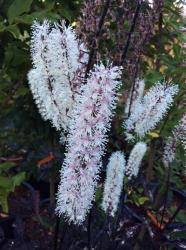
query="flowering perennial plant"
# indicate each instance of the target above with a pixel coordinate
(86, 142)
(135, 158)
(151, 109)
(57, 60)
(114, 182)
(81, 103)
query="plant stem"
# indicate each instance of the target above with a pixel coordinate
(166, 196)
(140, 237)
(160, 23)
(175, 214)
(123, 57)
(149, 173)
(89, 230)
(133, 87)
(52, 192)
(93, 45)
(56, 233)
(65, 227)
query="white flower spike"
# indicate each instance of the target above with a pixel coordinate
(152, 108)
(114, 182)
(57, 63)
(86, 142)
(135, 159)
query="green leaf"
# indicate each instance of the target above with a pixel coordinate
(18, 178)
(39, 15)
(17, 8)
(49, 4)
(14, 30)
(14, 55)
(154, 134)
(6, 183)
(151, 77)
(4, 202)
(2, 27)
(142, 200)
(9, 183)
(6, 165)
(22, 91)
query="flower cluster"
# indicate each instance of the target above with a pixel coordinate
(83, 108)
(151, 109)
(178, 135)
(114, 182)
(86, 140)
(57, 57)
(135, 158)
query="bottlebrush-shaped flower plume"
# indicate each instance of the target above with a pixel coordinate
(114, 182)
(56, 59)
(86, 142)
(178, 135)
(40, 83)
(135, 159)
(151, 110)
(135, 96)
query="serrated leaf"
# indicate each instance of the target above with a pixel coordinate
(14, 30)
(6, 165)
(17, 8)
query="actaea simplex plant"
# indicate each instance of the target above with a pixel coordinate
(79, 99)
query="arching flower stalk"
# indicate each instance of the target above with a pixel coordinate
(135, 158)
(57, 57)
(178, 136)
(86, 142)
(152, 108)
(114, 182)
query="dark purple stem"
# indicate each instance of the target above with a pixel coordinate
(123, 57)
(166, 196)
(133, 87)
(89, 230)
(175, 214)
(93, 45)
(56, 233)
